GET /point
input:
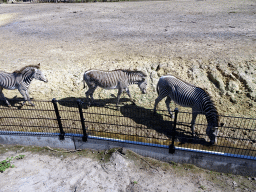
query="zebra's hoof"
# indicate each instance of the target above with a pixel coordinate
(8, 104)
(210, 143)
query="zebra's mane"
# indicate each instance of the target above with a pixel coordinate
(183, 81)
(23, 68)
(130, 71)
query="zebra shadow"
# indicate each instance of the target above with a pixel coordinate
(14, 102)
(145, 118)
(110, 102)
(183, 136)
(161, 123)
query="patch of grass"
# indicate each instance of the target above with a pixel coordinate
(202, 187)
(105, 155)
(174, 164)
(189, 166)
(5, 164)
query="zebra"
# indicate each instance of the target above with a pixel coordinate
(117, 79)
(188, 95)
(21, 79)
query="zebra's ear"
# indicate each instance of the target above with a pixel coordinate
(38, 64)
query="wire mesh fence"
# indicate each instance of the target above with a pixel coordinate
(129, 123)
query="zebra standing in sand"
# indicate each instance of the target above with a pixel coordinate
(188, 95)
(20, 80)
(117, 79)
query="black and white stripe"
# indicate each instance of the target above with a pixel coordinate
(20, 80)
(188, 95)
(117, 79)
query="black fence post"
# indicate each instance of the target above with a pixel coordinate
(172, 147)
(79, 103)
(62, 133)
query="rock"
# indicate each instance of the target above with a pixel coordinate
(233, 99)
(216, 78)
(134, 187)
(234, 184)
(248, 81)
(163, 71)
(252, 95)
(233, 86)
(153, 75)
(228, 93)
(121, 164)
(155, 66)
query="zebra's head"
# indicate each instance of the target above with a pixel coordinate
(143, 85)
(39, 75)
(213, 128)
(212, 133)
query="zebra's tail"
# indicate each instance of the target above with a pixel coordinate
(84, 84)
(157, 88)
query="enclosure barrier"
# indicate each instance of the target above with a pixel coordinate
(130, 124)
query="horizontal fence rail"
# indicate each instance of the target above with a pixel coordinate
(128, 123)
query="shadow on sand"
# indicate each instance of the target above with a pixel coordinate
(161, 123)
(71, 102)
(14, 102)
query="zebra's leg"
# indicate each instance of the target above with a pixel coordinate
(120, 91)
(167, 102)
(90, 93)
(28, 99)
(194, 115)
(128, 93)
(158, 99)
(25, 96)
(2, 95)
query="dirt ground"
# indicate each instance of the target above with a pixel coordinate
(211, 44)
(207, 43)
(47, 169)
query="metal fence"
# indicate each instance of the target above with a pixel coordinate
(128, 123)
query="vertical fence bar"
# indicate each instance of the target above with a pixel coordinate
(172, 147)
(85, 136)
(62, 133)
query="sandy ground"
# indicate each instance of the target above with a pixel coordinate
(208, 43)
(43, 169)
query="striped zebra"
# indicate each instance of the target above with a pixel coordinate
(20, 80)
(188, 95)
(117, 79)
